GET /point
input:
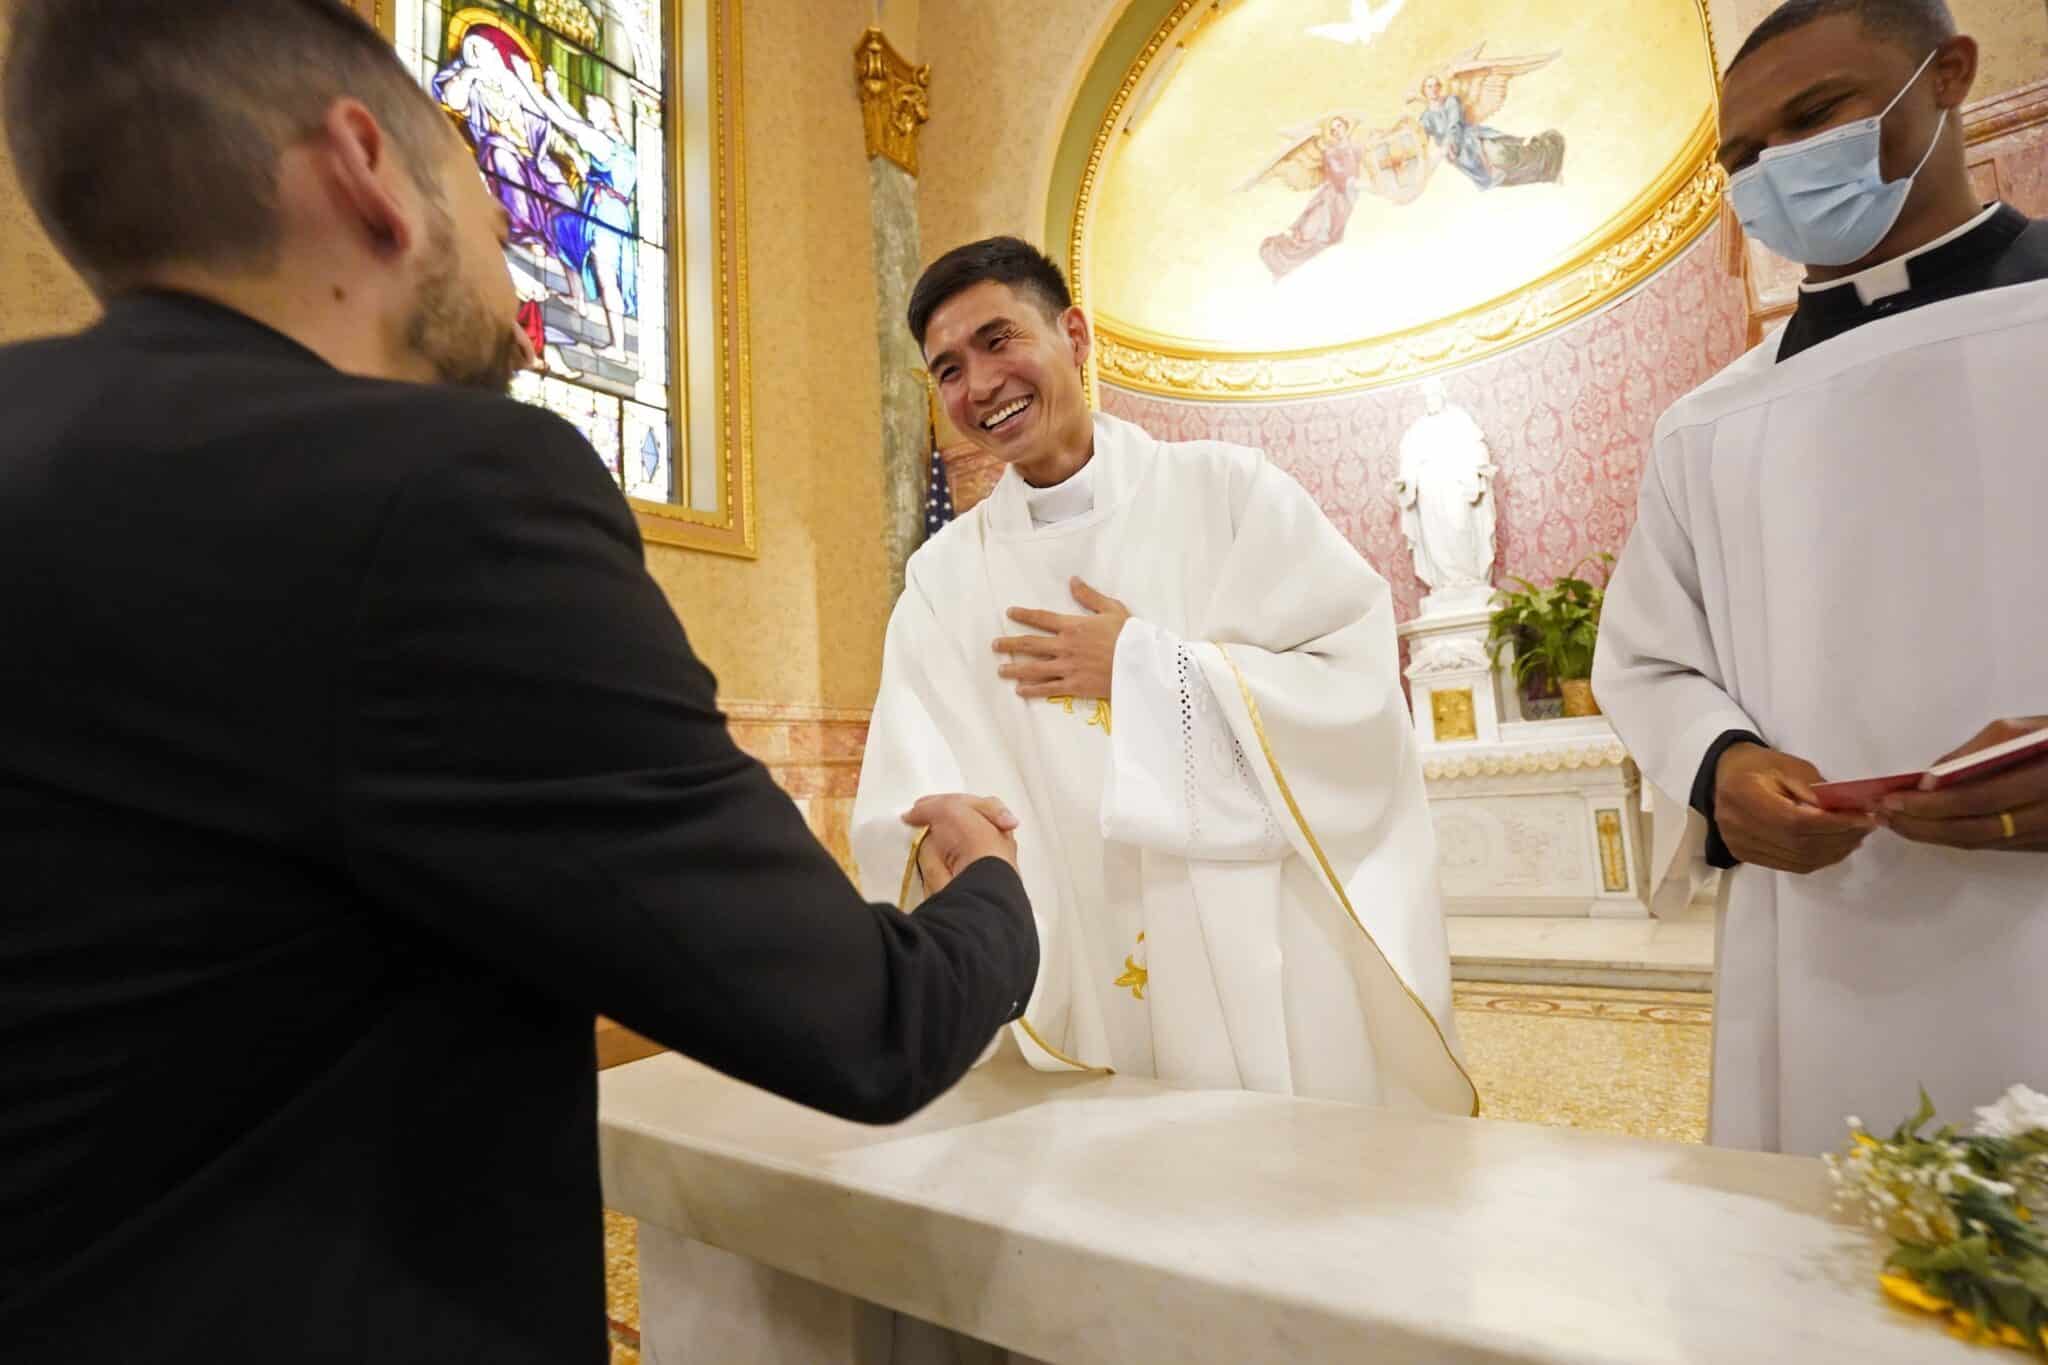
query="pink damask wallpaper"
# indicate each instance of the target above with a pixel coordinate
(1568, 419)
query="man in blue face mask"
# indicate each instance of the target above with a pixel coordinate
(1842, 135)
(1827, 532)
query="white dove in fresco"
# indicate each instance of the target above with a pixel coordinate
(1367, 23)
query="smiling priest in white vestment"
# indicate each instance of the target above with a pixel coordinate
(1183, 682)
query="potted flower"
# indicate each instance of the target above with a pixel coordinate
(1553, 630)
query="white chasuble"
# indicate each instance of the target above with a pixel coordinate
(1843, 553)
(1232, 866)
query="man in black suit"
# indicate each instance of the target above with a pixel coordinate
(349, 759)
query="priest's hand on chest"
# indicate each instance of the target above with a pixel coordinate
(1074, 656)
(1769, 817)
(2004, 812)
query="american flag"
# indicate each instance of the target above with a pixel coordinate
(938, 498)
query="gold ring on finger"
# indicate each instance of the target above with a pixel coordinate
(2005, 823)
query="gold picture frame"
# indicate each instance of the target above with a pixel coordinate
(711, 369)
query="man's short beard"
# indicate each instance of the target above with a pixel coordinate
(450, 328)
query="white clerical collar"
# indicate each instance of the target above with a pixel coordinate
(1073, 497)
(1887, 278)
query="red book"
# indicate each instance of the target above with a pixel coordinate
(1864, 793)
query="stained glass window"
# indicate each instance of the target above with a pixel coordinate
(564, 104)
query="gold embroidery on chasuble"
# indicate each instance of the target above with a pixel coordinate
(1135, 977)
(1100, 717)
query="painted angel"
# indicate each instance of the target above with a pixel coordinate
(1457, 101)
(1338, 158)
(1326, 159)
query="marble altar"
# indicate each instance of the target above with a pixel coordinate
(1533, 817)
(1099, 1220)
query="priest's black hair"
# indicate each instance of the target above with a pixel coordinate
(149, 132)
(1003, 260)
(1921, 25)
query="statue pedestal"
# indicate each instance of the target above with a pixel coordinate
(1452, 687)
(1532, 817)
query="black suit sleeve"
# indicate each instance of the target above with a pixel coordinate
(531, 765)
(1702, 799)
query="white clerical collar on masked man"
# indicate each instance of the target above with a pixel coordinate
(1887, 278)
(1072, 497)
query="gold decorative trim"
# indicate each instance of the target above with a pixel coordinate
(1607, 1005)
(1451, 715)
(1058, 1055)
(741, 709)
(1997, 116)
(1613, 860)
(731, 530)
(1608, 754)
(895, 98)
(1112, 117)
(1251, 706)
(1646, 236)
(903, 904)
(910, 869)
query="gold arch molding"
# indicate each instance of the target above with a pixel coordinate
(1637, 234)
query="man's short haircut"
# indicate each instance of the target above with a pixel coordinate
(1003, 260)
(148, 132)
(1917, 25)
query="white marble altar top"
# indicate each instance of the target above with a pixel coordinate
(1109, 1219)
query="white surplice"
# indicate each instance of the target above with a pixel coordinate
(1233, 868)
(1844, 554)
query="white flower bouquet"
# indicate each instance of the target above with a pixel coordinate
(1964, 1212)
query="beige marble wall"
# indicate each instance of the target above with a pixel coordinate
(1003, 78)
(803, 623)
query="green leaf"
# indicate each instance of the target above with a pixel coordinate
(1921, 1118)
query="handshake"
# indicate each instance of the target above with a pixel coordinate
(958, 832)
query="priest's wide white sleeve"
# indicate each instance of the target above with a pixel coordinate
(1177, 781)
(1654, 669)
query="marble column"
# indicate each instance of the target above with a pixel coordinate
(895, 102)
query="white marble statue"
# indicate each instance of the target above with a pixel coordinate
(1446, 490)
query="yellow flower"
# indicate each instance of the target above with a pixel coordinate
(1912, 1293)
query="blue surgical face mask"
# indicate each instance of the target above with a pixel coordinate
(1824, 200)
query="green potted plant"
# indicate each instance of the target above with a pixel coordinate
(1553, 630)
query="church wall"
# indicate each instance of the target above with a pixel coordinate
(1003, 77)
(39, 294)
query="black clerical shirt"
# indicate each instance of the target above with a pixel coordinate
(2004, 248)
